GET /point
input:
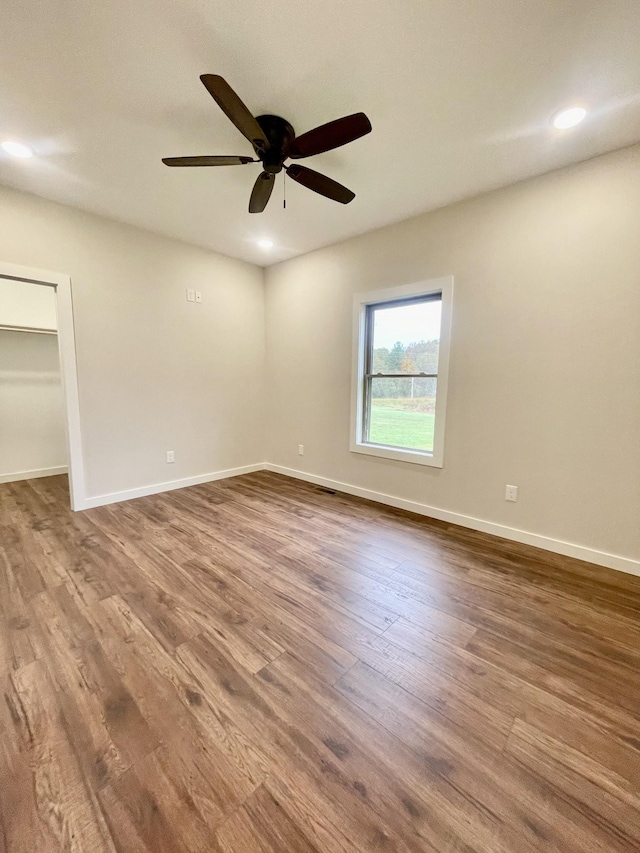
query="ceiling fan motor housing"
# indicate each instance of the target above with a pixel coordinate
(280, 135)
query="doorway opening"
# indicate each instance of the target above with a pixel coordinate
(39, 407)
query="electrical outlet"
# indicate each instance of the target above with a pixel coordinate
(171, 457)
(191, 295)
(198, 296)
(301, 450)
(511, 493)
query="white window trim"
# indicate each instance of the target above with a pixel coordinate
(442, 285)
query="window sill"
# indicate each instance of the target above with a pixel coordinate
(417, 457)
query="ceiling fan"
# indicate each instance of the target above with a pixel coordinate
(274, 141)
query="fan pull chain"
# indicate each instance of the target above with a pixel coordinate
(284, 191)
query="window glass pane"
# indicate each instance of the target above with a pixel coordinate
(406, 338)
(402, 412)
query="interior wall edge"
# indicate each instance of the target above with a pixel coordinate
(524, 537)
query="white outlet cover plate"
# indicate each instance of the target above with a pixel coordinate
(511, 493)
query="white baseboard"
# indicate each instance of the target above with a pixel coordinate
(32, 475)
(156, 488)
(557, 546)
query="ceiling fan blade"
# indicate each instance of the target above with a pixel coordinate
(320, 184)
(207, 161)
(261, 192)
(329, 136)
(232, 106)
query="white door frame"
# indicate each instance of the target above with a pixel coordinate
(68, 367)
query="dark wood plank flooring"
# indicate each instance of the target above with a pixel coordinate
(257, 665)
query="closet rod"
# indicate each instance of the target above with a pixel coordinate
(4, 328)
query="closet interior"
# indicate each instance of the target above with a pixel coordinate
(32, 425)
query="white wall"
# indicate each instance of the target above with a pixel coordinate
(27, 305)
(32, 431)
(155, 372)
(544, 385)
(545, 363)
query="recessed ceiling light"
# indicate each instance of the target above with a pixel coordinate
(568, 118)
(265, 244)
(17, 149)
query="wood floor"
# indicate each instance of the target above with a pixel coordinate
(256, 665)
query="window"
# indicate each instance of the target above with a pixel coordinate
(401, 358)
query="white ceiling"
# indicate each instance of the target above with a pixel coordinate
(459, 93)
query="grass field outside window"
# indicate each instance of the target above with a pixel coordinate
(403, 422)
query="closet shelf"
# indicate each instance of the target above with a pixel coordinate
(33, 331)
